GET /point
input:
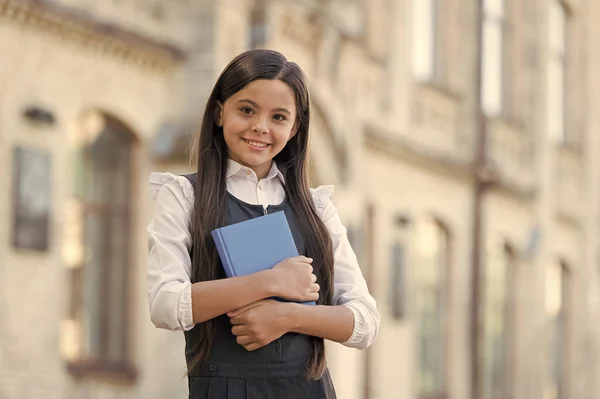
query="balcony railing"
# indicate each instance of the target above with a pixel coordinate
(436, 121)
(509, 147)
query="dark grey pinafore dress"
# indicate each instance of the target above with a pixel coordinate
(275, 371)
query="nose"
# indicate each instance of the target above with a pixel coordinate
(260, 126)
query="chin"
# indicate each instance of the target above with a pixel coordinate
(255, 162)
(252, 160)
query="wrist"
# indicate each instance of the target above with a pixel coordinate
(269, 283)
(295, 314)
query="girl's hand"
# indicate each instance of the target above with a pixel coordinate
(294, 280)
(260, 323)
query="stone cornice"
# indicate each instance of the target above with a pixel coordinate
(79, 29)
(400, 148)
(386, 142)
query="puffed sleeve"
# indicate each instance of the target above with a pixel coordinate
(350, 288)
(169, 263)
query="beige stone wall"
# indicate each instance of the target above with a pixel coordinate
(567, 217)
(39, 67)
(418, 195)
(425, 183)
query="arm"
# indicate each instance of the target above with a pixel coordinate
(291, 278)
(175, 303)
(262, 322)
(214, 298)
(334, 323)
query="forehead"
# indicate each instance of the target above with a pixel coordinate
(268, 93)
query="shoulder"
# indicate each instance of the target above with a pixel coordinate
(321, 197)
(166, 186)
(326, 210)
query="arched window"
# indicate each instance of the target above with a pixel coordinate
(557, 294)
(499, 318)
(97, 250)
(432, 259)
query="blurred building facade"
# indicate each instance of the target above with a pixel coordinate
(95, 95)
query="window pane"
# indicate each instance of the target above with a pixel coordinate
(556, 72)
(423, 39)
(555, 331)
(492, 64)
(493, 8)
(556, 27)
(398, 287)
(258, 27)
(107, 180)
(496, 320)
(431, 256)
(116, 296)
(96, 234)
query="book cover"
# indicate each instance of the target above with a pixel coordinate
(255, 245)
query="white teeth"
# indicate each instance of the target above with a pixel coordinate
(256, 144)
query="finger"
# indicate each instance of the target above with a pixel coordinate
(240, 329)
(253, 346)
(244, 309)
(239, 319)
(314, 287)
(244, 340)
(313, 278)
(312, 296)
(304, 259)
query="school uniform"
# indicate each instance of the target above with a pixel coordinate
(277, 370)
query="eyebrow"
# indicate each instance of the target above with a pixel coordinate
(245, 100)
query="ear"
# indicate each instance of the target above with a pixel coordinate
(219, 114)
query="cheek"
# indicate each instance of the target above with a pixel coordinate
(282, 134)
(234, 125)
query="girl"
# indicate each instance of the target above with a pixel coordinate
(251, 160)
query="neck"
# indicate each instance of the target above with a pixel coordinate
(262, 170)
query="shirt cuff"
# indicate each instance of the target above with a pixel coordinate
(185, 308)
(357, 329)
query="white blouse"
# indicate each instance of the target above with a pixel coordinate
(169, 242)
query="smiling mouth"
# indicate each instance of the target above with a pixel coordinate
(256, 144)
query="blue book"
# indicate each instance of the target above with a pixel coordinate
(255, 245)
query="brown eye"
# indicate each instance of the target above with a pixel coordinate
(279, 117)
(246, 110)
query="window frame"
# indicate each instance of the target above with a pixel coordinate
(85, 364)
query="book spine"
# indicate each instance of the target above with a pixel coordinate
(223, 253)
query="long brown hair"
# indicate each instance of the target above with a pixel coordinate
(210, 209)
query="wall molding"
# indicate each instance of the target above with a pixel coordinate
(79, 29)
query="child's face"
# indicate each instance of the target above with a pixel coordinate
(257, 123)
